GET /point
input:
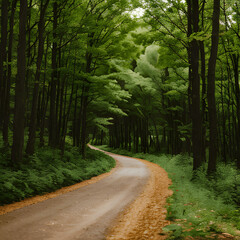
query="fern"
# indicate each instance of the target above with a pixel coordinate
(47, 171)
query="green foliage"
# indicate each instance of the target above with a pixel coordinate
(200, 206)
(175, 229)
(202, 202)
(47, 171)
(200, 36)
(225, 183)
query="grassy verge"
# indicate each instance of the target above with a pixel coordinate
(203, 208)
(47, 171)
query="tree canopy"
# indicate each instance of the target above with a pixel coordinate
(147, 76)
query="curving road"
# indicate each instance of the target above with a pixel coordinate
(83, 214)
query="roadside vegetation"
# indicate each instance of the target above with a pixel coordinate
(47, 170)
(200, 206)
(145, 76)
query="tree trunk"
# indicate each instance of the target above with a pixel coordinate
(33, 118)
(3, 57)
(157, 136)
(196, 113)
(235, 61)
(203, 76)
(213, 140)
(53, 117)
(6, 117)
(86, 87)
(224, 144)
(19, 111)
(44, 101)
(74, 122)
(65, 122)
(84, 124)
(29, 60)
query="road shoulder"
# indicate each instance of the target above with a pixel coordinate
(36, 199)
(146, 216)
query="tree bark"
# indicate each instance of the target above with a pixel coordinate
(213, 139)
(44, 100)
(6, 117)
(84, 124)
(65, 122)
(235, 61)
(19, 111)
(203, 76)
(224, 133)
(3, 56)
(86, 88)
(196, 113)
(53, 117)
(33, 118)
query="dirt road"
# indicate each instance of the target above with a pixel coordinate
(85, 213)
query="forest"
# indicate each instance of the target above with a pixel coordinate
(160, 76)
(150, 76)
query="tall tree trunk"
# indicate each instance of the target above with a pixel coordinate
(29, 60)
(33, 118)
(195, 110)
(190, 76)
(129, 135)
(213, 139)
(79, 120)
(3, 56)
(74, 122)
(19, 111)
(44, 100)
(157, 135)
(58, 94)
(231, 144)
(53, 117)
(6, 117)
(235, 61)
(65, 122)
(86, 87)
(203, 76)
(84, 123)
(204, 87)
(224, 144)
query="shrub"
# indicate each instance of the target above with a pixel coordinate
(47, 171)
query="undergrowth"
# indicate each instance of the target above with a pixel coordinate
(47, 171)
(201, 207)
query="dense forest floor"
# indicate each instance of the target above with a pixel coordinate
(47, 170)
(39, 198)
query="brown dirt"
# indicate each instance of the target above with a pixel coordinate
(33, 200)
(146, 216)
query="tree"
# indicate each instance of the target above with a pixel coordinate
(3, 56)
(213, 140)
(6, 95)
(53, 85)
(193, 15)
(19, 110)
(33, 118)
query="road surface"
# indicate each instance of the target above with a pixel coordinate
(83, 214)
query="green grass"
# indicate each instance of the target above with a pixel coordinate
(47, 171)
(201, 206)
